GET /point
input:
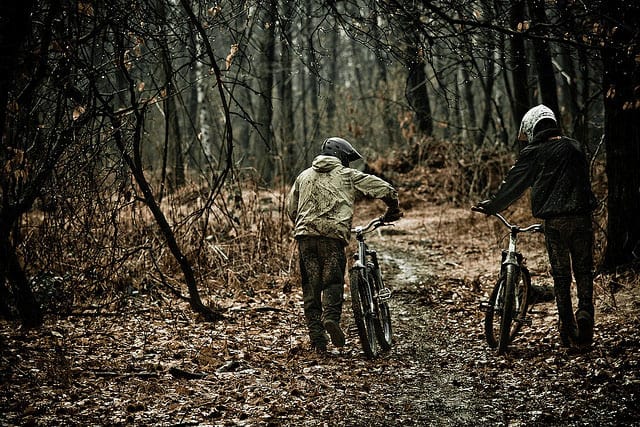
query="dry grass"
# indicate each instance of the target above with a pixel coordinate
(95, 251)
(100, 243)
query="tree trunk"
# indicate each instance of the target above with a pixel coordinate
(487, 88)
(193, 149)
(519, 76)
(12, 273)
(576, 82)
(622, 137)
(15, 27)
(173, 141)
(569, 87)
(544, 66)
(312, 145)
(202, 111)
(11, 269)
(417, 95)
(416, 84)
(581, 124)
(239, 86)
(286, 96)
(471, 121)
(381, 80)
(263, 146)
(333, 79)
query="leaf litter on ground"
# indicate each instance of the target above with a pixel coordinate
(156, 363)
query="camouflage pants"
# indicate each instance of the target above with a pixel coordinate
(322, 266)
(569, 245)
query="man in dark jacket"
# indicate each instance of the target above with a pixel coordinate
(556, 169)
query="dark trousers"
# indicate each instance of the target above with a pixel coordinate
(322, 267)
(569, 245)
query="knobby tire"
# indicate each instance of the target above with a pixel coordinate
(361, 303)
(384, 331)
(494, 317)
(507, 310)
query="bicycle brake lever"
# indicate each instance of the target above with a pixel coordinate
(383, 223)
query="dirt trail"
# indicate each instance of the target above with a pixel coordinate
(156, 364)
(430, 385)
(441, 267)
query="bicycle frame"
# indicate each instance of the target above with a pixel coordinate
(364, 255)
(503, 303)
(368, 295)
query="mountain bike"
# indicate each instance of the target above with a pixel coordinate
(369, 295)
(506, 310)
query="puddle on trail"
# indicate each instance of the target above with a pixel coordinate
(400, 268)
(429, 385)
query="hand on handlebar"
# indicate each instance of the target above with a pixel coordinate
(392, 214)
(481, 207)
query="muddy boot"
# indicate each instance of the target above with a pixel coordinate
(319, 347)
(332, 311)
(567, 323)
(568, 331)
(317, 335)
(585, 312)
(585, 328)
(568, 334)
(318, 340)
(335, 332)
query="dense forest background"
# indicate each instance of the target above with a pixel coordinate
(149, 144)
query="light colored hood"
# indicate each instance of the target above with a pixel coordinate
(532, 117)
(325, 164)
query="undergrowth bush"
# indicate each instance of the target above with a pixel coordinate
(95, 243)
(439, 171)
(103, 246)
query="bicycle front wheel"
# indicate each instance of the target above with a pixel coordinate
(362, 305)
(495, 322)
(384, 332)
(507, 310)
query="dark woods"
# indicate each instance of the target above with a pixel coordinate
(144, 144)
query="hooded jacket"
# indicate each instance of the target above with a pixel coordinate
(321, 200)
(556, 169)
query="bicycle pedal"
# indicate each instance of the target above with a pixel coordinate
(384, 294)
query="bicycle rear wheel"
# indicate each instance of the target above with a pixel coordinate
(495, 320)
(362, 305)
(384, 331)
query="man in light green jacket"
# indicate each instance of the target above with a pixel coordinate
(320, 204)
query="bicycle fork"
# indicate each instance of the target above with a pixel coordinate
(510, 261)
(382, 293)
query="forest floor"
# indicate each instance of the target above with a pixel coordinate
(157, 364)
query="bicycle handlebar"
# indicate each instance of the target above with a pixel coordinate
(373, 224)
(534, 228)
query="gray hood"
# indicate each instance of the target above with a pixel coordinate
(325, 164)
(532, 117)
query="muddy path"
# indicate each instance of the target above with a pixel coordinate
(155, 363)
(445, 374)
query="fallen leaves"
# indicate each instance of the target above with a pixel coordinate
(155, 364)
